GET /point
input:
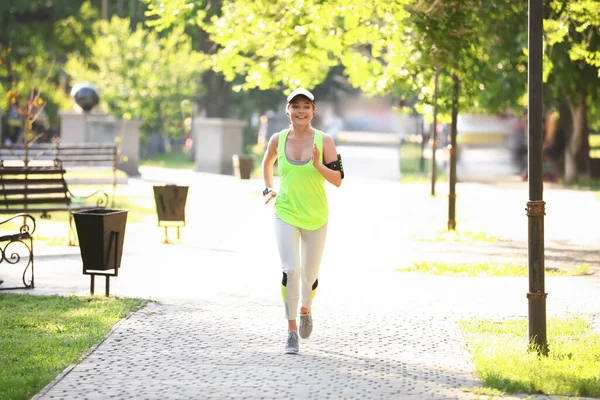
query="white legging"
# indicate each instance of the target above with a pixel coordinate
(299, 267)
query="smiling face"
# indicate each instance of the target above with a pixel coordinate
(301, 111)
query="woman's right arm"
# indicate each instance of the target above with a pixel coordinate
(269, 160)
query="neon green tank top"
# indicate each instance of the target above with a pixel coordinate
(301, 201)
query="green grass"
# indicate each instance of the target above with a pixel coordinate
(42, 335)
(459, 236)
(483, 269)
(586, 184)
(179, 160)
(54, 231)
(174, 160)
(105, 175)
(410, 154)
(503, 362)
(139, 205)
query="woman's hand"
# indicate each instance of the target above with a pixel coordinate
(270, 196)
(316, 156)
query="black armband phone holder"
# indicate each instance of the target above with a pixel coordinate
(336, 165)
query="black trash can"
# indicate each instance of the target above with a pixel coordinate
(170, 201)
(101, 232)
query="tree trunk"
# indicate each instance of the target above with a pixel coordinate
(105, 9)
(120, 8)
(577, 162)
(453, 153)
(434, 134)
(217, 101)
(134, 13)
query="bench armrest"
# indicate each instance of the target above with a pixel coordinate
(28, 226)
(101, 201)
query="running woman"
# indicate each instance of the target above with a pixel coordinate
(306, 158)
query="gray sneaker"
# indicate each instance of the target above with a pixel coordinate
(305, 325)
(292, 346)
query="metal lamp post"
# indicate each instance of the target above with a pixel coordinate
(536, 206)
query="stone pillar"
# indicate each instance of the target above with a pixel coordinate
(72, 127)
(129, 136)
(216, 140)
(77, 127)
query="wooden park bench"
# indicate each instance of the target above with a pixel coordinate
(42, 189)
(74, 157)
(14, 240)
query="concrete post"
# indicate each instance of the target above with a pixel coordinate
(216, 140)
(129, 135)
(72, 127)
(76, 127)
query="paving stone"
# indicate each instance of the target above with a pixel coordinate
(216, 330)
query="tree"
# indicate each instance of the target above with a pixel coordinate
(504, 30)
(218, 100)
(276, 44)
(584, 16)
(570, 71)
(385, 48)
(448, 33)
(35, 37)
(573, 55)
(140, 74)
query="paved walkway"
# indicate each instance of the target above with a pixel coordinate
(216, 329)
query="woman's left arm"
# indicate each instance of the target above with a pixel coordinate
(329, 155)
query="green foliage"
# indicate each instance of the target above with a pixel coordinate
(442, 34)
(384, 47)
(391, 48)
(141, 74)
(164, 14)
(34, 37)
(275, 44)
(505, 58)
(573, 39)
(577, 22)
(572, 30)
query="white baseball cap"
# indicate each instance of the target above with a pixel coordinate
(300, 92)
